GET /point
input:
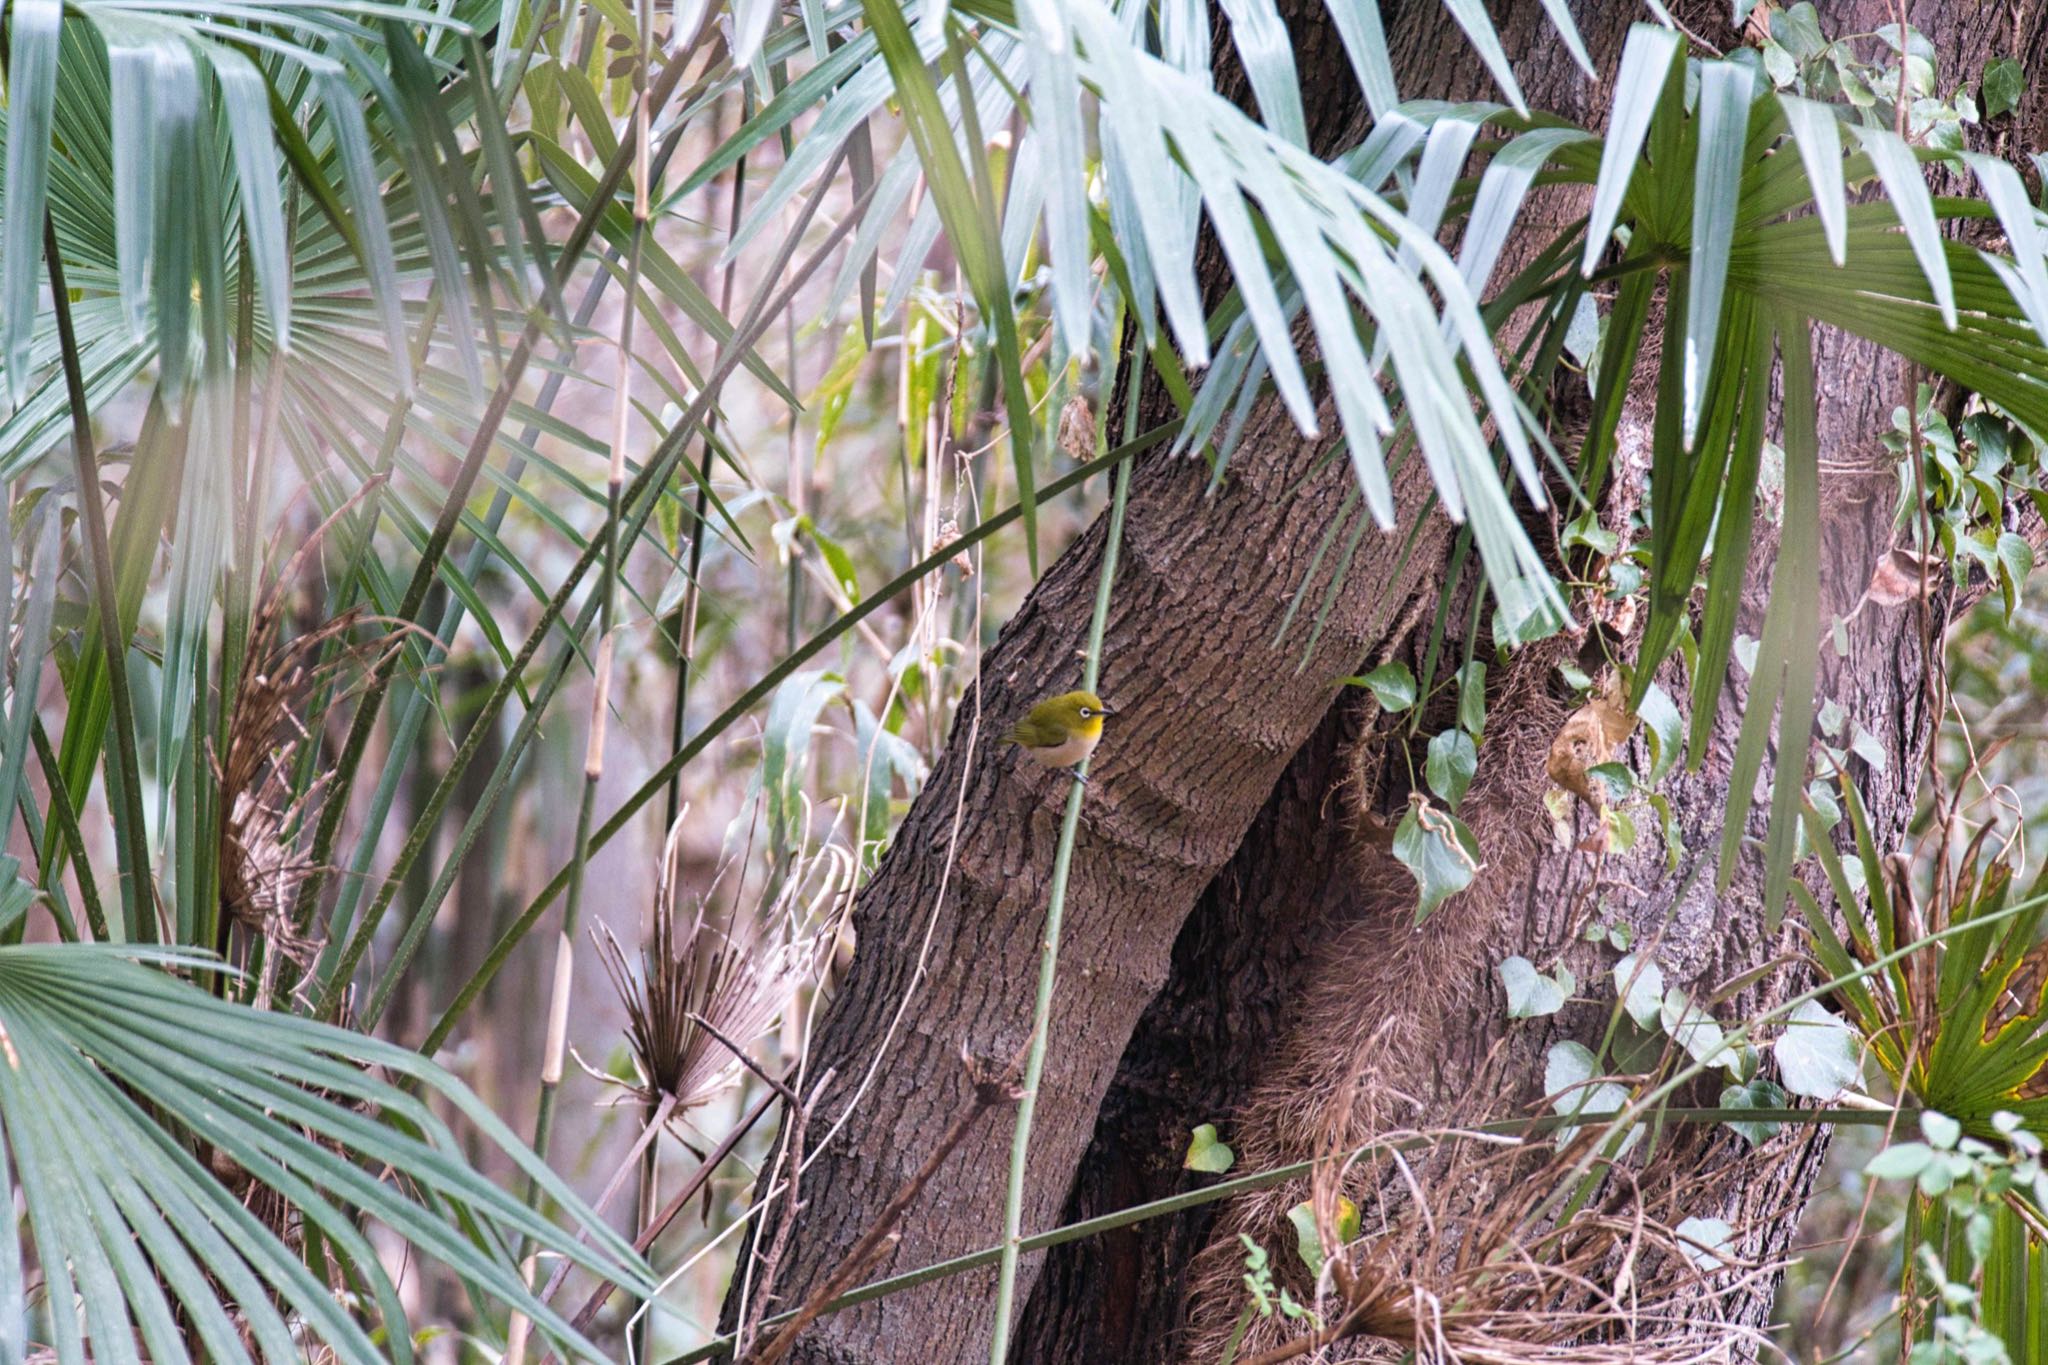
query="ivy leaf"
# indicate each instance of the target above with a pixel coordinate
(1692, 1028)
(2015, 562)
(1940, 1130)
(1472, 697)
(1391, 684)
(1566, 1069)
(1900, 1161)
(2005, 81)
(1585, 529)
(1819, 1056)
(1665, 731)
(1758, 1093)
(1303, 1216)
(1616, 778)
(1705, 1242)
(1798, 29)
(1438, 851)
(1207, 1153)
(1531, 994)
(1640, 985)
(1870, 749)
(1451, 762)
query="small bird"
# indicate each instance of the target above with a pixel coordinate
(1061, 731)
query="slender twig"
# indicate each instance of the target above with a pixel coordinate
(744, 1060)
(793, 1159)
(1048, 966)
(989, 1091)
(138, 902)
(658, 1224)
(657, 1119)
(509, 941)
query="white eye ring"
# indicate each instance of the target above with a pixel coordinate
(1085, 713)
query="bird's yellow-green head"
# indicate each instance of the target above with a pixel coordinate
(1061, 731)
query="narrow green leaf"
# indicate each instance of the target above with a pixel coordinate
(970, 228)
(246, 100)
(1646, 63)
(1471, 16)
(1899, 170)
(1817, 132)
(1723, 118)
(1056, 115)
(131, 75)
(26, 669)
(1267, 56)
(35, 28)
(1365, 43)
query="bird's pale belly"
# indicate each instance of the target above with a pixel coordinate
(1064, 755)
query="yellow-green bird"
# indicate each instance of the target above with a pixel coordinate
(1061, 731)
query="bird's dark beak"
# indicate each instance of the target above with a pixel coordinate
(1108, 710)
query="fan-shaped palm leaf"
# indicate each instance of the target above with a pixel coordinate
(218, 1177)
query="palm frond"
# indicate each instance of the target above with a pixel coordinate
(289, 1115)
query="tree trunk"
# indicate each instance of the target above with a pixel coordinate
(1238, 945)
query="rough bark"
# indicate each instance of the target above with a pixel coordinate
(1125, 1298)
(1218, 793)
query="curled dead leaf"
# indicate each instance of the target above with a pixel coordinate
(1077, 428)
(1589, 737)
(949, 531)
(1898, 577)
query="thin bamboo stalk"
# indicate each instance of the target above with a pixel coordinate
(1049, 957)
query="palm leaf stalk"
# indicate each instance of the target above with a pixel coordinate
(138, 902)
